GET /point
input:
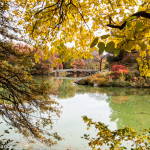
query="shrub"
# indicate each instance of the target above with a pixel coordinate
(97, 75)
(82, 81)
(101, 81)
(94, 79)
(113, 75)
(86, 81)
(117, 71)
(120, 84)
(90, 80)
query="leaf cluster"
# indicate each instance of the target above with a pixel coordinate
(114, 139)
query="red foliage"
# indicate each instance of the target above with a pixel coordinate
(23, 48)
(59, 66)
(79, 64)
(42, 66)
(119, 69)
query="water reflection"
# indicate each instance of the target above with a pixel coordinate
(31, 116)
(71, 125)
(64, 88)
(116, 107)
(129, 106)
(132, 110)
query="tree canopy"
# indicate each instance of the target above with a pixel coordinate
(56, 22)
(51, 25)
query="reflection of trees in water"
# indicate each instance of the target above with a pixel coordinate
(54, 83)
(134, 112)
(66, 89)
(31, 119)
(28, 107)
(129, 106)
(113, 91)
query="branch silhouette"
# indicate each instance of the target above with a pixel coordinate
(138, 14)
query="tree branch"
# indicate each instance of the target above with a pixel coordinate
(138, 14)
(47, 7)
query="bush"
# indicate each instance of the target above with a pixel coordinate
(86, 81)
(90, 80)
(101, 81)
(97, 75)
(119, 69)
(129, 80)
(120, 84)
(94, 79)
(82, 82)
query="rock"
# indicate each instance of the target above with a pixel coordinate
(95, 85)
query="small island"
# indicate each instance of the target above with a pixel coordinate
(116, 79)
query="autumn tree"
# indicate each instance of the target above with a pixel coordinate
(99, 59)
(132, 34)
(79, 64)
(20, 95)
(67, 21)
(125, 58)
(46, 66)
(52, 24)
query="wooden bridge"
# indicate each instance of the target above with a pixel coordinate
(90, 71)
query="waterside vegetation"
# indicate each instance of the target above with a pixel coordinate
(119, 76)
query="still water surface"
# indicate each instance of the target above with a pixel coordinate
(116, 107)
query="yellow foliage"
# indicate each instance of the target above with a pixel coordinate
(57, 22)
(37, 57)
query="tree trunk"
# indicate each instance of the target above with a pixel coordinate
(100, 64)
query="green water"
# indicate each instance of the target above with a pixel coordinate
(116, 107)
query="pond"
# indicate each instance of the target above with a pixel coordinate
(115, 107)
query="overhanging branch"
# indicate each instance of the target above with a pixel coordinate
(138, 14)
